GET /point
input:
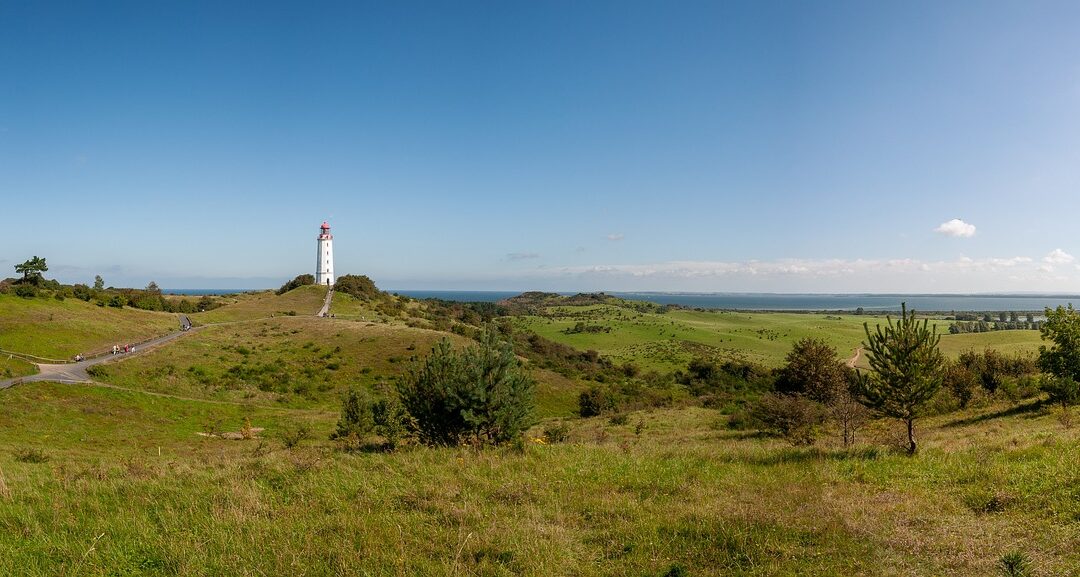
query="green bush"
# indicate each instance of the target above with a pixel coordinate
(299, 281)
(26, 291)
(479, 395)
(293, 435)
(392, 422)
(356, 421)
(793, 417)
(596, 401)
(556, 433)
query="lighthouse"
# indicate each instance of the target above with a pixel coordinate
(324, 263)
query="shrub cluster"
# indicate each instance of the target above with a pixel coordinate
(299, 281)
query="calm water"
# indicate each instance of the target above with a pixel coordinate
(781, 302)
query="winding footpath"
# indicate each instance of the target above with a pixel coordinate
(855, 359)
(76, 372)
(70, 373)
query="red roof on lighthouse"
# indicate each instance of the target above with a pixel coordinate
(325, 226)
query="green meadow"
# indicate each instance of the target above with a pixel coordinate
(130, 476)
(668, 341)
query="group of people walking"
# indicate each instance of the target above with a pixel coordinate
(117, 349)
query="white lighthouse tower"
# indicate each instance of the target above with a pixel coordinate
(324, 263)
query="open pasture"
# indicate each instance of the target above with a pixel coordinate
(670, 340)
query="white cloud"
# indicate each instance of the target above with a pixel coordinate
(1058, 256)
(616, 236)
(956, 228)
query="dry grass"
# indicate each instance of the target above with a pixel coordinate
(667, 489)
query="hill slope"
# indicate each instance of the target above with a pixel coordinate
(55, 329)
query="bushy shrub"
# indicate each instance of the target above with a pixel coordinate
(1062, 391)
(596, 401)
(359, 286)
(392, 422)
(793, 417)
(26, 291)
(556, 433)
(479, 395)
(962, 382)
(299, 281)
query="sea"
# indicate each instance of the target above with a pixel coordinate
(767, 301)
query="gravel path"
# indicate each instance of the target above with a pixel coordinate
(76, 372)
(325, 310)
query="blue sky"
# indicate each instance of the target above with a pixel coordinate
(685, 146)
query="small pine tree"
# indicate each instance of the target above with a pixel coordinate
(480, 395)
(907, 369)
(356, 421)
(392, 422)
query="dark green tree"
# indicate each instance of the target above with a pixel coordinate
(479, 395)
(99, 283)
(908, 369)
(32, 269)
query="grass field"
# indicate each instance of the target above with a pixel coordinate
(55, 329)
(669, 341)
(128, 487)
(14, 367)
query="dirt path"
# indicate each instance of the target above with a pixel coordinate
(855, 358)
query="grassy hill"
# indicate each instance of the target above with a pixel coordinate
(669, 340)
(107, 482)
(291, 361)
(54, 329)
(302, 301)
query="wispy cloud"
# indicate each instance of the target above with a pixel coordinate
(956, 228)
(964, 274)
(616, 236)
(522, 255)
(1058, 256)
